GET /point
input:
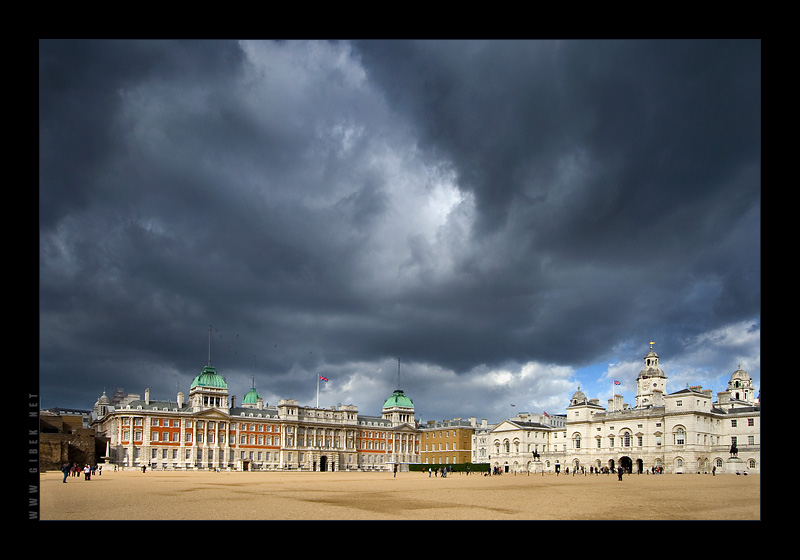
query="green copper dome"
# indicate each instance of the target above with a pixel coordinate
(398, 398)
(209, 378)
(251, 397)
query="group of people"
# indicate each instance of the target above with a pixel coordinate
(442, 471)
(74, 470)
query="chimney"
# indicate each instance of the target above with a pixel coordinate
(147, 396)
(180, 399)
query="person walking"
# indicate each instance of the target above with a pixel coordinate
(87, 472)
(66, 470)
(619, 473)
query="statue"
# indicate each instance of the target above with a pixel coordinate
(734, 449)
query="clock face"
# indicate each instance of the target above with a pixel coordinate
(654, 385)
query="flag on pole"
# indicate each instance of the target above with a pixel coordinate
(617, 383)
(323, 378)
(546, 415)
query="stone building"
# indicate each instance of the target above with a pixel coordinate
(682, 432)
(66, 437)
(526, 443)
(208, 430)
(448, 442)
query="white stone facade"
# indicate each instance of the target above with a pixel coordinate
(682, 432)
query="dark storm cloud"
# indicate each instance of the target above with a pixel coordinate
(496, 211)
(602, 159)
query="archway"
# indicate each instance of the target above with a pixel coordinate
(626, 463)
(323, 463)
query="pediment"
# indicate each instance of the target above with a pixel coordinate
(408, 428)
(505, 426)
(212, 414)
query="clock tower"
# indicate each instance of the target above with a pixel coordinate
(651, 384)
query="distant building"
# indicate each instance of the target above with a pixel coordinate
(66, 437)
(681, 432)
(448, 442)
(208, 430)
(525, 443)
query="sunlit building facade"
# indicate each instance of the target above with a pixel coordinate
(447, 442)
(686, 431)
(209, 431)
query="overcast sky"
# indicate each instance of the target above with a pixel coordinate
(506, 220)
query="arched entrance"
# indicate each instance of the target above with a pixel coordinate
(323, 463)
(626, 463)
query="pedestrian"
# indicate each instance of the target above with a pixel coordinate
(87, 472)
(99, 470)
(619, 473)
(66, 470)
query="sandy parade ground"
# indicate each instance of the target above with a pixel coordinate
(199, 495)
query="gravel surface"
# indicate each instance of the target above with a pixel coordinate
(169, 495)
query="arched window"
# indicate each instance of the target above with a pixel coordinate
(577, 440)
(680, 436)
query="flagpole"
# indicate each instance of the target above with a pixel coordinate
(317, 390)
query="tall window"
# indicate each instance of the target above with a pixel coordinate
(680, 437)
